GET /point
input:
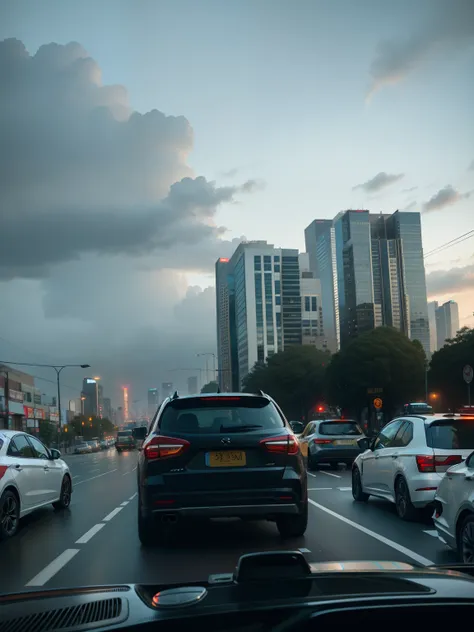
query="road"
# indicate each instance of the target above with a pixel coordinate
(95, 541)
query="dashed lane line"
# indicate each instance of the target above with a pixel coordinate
(394, 545)
(88, 535)
(112, 514)
(310, 474)
(94, 477)
(125, 503)
(132, 497)
(330, 474)
(54, 567)
(319, 489)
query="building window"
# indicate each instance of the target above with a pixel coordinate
(277, 267)
(314, 307)
(277, 287)
(307, 305)
(278, 300)
(257, 262)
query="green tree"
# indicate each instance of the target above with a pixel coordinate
(210, 387)
(382, 358)
(445, 375)
(293, 377)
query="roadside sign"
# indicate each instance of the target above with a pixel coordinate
(374, 391)
(378, 403)
(468, 373)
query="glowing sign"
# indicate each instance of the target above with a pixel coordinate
(223, 260)
(90, 381)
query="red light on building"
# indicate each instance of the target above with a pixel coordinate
(223, 260)
(320, 409)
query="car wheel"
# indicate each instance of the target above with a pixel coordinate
(405, 509)
(9, 514)
(466, 540)
(292, 526)
(146, 532)
(65, 497)
(334, 466)
(358, 493)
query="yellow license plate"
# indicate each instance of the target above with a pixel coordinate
(345, 442)
(226, 458)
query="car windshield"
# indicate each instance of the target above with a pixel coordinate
(339, 428)
(208, 415)
(451, 435)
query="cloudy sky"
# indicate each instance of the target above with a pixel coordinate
(140, 139)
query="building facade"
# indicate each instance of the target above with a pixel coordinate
(447, 322)
(90, 393)
(224, 350)
(432, 307)
(311, 306)
(193, 385)
(166, 390)
(153, 401)
(320, 244)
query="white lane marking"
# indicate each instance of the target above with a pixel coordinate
(304, 550)
(319, 489)
(134, 468)
(112, 514)
(96, 469)
(54, 567)
(330, 474)
(90, 534)
(432, 532)
(125, 473)
(132, 497)
(77, 476)
(394, 545)
(125, 503)
(345, 489)
(98, 476)
(313, 475)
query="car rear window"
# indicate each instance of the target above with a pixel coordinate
(214, 415)
(451, 435)
(339, 428)
(125, 433)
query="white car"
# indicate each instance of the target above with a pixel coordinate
(406, 462)
(454, 509)
(31, 476)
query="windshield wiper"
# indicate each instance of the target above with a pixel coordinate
(240, 428)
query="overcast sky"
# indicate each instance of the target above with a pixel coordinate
(141, 139)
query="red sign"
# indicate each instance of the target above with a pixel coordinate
(29, 412)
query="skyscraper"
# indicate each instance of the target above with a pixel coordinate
(432, 307)
(126, 413)
(193, 385)
(321, 247)
(153, 401)
(91, 394)
(224, 351)
(311, 306)
(447, 322)
(166, 389)
(264, 305)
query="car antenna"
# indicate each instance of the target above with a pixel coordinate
(175, 396)
(260, 392)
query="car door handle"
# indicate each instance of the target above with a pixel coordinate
(394, 456)
(46, 468)
(18, 467)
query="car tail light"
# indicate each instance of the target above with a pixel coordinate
(165, 447)
(286, 444)
(322, 441)
(3, 469)
(429, 463)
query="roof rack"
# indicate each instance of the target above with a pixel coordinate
(260, 392)
(175, 395)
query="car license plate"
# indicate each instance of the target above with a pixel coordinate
(345, 442)
(226, 458)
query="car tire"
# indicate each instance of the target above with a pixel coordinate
(334, 466)
(465, 540)
(146, 531)
(9, 514)
(312, 463)
(405, 509)
(65, 497)
(118, 450)
(291, 526)
(358, 493)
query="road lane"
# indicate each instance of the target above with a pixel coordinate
(96, 541)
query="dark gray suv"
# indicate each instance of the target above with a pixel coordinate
(216, 455)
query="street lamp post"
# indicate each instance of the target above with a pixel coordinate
(58, 368)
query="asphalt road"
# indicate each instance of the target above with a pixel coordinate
(96, 542)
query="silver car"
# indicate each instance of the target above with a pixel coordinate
(406, 462)
(454, 509)
(330, 441)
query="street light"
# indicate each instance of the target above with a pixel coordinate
(58, 368)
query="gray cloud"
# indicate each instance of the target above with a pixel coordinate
(471, 166)
(447, 196)
(410, 190)
(443, 282)
(410, 206)
(231, 173)
(378, 182)
(448, 28)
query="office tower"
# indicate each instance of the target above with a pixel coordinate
(90, 393)
(224, 351)
(311, 306)
(264, 312)
(447, 322)
(107, 408)
(321, 247)
(193, 385)
(432, 307)
(126, 413)
(153, 401)
(100, 399)
(166, 390)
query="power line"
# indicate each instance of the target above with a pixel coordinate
(449, 244)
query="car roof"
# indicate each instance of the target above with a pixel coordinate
(223, 395)
(11, 433)
(429, 419)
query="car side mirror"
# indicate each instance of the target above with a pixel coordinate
(55, 454)
(297, 426)
(364, 443)
(470, 461)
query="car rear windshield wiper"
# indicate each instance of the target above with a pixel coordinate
(240, 428)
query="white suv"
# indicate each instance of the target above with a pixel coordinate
(407, 460)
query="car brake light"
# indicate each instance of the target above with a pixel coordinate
(322, 441)
(286, 444)
(3, 469)
(429, 463)
(165, 447)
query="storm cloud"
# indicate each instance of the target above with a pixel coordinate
(379, 182)
(448, 28)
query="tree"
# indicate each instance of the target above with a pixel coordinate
(293, 377)
(446, 367)
(382, 358)
(210, 387)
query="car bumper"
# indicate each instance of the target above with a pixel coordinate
(262, 512)
(331, 455)
(423, 488)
